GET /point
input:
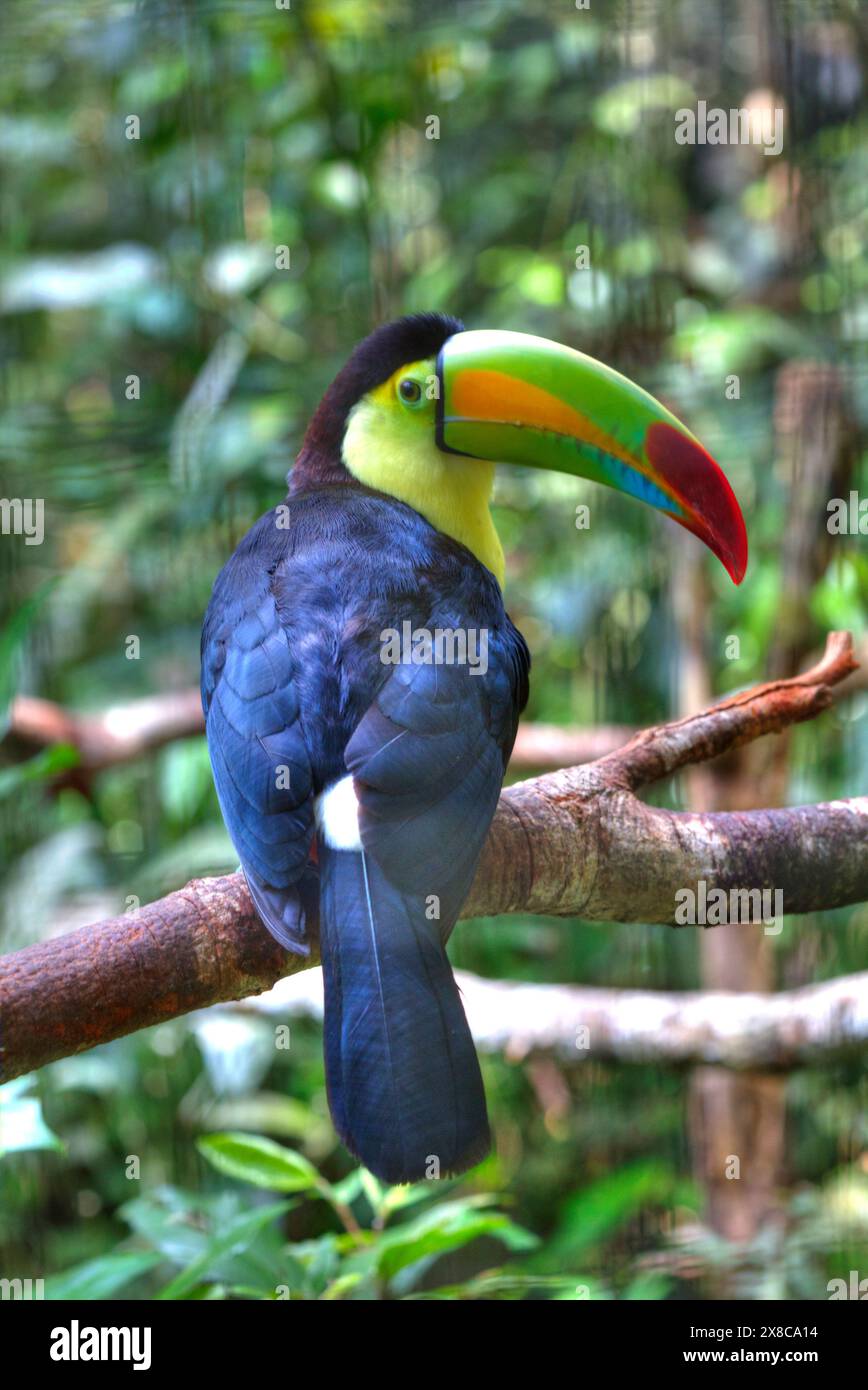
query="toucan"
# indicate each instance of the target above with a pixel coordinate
(358, 776)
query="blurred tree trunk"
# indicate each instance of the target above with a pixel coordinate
(742, 1117)
(730, 1117)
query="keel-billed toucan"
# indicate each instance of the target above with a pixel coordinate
(358, 785)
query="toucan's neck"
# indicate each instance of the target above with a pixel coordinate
(315, 468)
(319, 459)
(452, 492)
(367, 440)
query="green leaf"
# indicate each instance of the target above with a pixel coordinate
(447, 1227)
(185, 778)
(166, 1219)
(349, 1188)
(320, 1262)
(46, 764)
(502, 1285)
(236, 1236)
(372, 1188)
(647, 1287)
(188, 1230)
(100, 1278)
(344, 1284)
(592, 1214)
(249, 1291)
(398, 1198)
(259, 1161)
(270, 1113)
(625, 105)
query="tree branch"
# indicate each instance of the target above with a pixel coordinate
(117, 735)
(128, 731)
(573, 843)
(580, 843)
(742, 1031)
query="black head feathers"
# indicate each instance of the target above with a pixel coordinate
(371, 362)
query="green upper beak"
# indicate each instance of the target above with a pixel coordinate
(514, 398)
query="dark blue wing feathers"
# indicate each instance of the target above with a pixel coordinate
(258, 755)
(292, 680)
(428, 759)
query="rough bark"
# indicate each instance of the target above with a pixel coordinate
(573, 843)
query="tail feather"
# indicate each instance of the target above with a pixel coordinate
(403, 1077)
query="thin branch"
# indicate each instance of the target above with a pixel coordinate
(738, 719)
(796, 1028)
(128, 731)
(117, 735)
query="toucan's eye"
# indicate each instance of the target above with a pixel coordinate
(410, 391)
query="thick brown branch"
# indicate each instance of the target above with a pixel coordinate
(192, 948)
(562, 849)
(573, 843)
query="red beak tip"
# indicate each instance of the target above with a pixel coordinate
(736, 572)
(711, 504)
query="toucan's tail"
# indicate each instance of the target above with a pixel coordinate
(403, 1078)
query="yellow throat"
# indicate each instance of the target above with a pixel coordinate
(389, 445)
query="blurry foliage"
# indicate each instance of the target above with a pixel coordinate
(156, 258)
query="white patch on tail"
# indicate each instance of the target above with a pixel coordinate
(337, 815)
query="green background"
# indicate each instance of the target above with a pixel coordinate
(155, 257)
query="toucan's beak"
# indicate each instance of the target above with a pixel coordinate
(513, 398)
